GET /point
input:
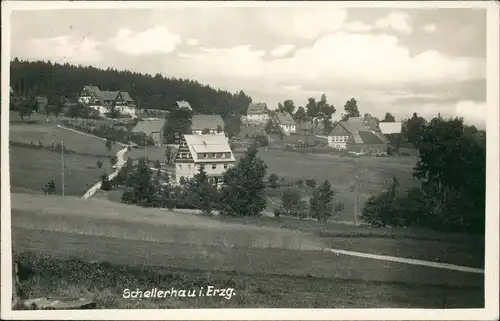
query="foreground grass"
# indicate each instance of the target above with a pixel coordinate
(261, 278)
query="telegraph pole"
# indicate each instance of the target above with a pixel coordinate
(62, 168)
(356, 191)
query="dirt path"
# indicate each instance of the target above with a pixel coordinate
(120, 155)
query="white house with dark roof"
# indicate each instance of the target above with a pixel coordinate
(257, 112)
(355, 136)
(213, 123)
(102, 100)
(211, 151)
(285, 121)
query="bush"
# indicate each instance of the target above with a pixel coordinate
(105, 183)
(273, 180)
(311, 183)
(262, 140)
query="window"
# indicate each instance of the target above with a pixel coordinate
(180, 166)
(228, 155)
(189, 166)
(226, 166)
(214, 166)
(204, 155)
(214, 155)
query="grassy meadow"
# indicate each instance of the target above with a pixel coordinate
(374, 175)
(268, 266)
(31, 168)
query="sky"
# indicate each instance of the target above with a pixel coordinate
(395, 60)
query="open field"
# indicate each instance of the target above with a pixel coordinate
(286, 267)
(374, 174)
(31, 168)
(49, 133)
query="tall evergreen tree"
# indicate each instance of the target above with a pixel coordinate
(242, 192)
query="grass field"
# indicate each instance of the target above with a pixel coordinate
(374, 174)
(31, 169)
(267, 266)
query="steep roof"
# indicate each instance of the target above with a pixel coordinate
(106, 95)
(208, 144)
(200, 122)
(390, 128)
(257, 108)
(284, 118)
(366, 137)
(149, 126)
(126, 97)
(91, 89)
(183, 104)
(352, 125)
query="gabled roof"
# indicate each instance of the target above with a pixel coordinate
(366, 137)
(91, 89)
(106, 95)
(284, 118)
(352, 125)
(126, 97)
(207, 144)
(149, 126)
(390, 128)
(257, 108)
(184, 104)
(200, 122)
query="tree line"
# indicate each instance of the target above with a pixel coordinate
(54, 80)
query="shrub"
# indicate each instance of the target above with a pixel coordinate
(273, 180)
(105, 183)
(262, 140)
(311, 183)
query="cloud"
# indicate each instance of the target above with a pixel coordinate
(282, 50)
(192, 42)
(302, 23)
(430, 28)
(155, 40)
(474, 113)
(342, 58)
(82, 50)
(395, 20)
(356, 26)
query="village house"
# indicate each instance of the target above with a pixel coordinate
(285, 121)
(355, 136)
(102, 100)
(256, 113)
(152, 129)
(183, 105)
(211, 151)
(213, 123)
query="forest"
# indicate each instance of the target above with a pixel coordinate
(56, 81)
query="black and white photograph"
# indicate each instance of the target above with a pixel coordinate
(323, 156)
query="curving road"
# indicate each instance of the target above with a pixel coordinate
(120, 156)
